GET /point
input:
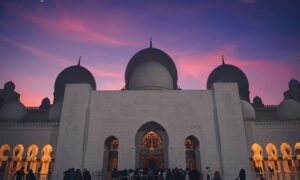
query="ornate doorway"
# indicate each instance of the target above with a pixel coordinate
(151, 143)
(151, 155)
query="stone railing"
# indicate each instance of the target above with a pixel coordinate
(267, 108)
(29, 124)
(276, 122)
(35, 109)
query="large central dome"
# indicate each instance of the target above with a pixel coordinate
(151, 68)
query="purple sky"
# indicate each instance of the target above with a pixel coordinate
(38, 39)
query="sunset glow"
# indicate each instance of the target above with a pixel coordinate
(38, 39)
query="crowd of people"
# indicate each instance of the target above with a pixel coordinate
(137, 174)
(20, 175)
(149, 174)
(72, 174)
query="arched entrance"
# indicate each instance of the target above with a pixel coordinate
(151, 146)
(192, 153)
(111, 154)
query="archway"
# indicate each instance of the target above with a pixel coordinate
(258, 158)
(46, 159)
(4, 151)
(287, 158)
(297, 149)
(151, 146)
(273, 162)
(192, 153)
(31, 161)
(111, 146)
(17, 158)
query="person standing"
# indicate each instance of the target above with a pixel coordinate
(19, 175)
(30, 175)
(242, 174)
(208, 173)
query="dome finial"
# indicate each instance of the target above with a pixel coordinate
(79, 60)
(150, 42)
(223, 61)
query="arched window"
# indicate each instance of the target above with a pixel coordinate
(192, 156)
(111, 153)
(258, 158)
(273, 162)
(46, 159)
(287, 158)
(31, 161)
(4, 151)
(17, 158)
(297, 149)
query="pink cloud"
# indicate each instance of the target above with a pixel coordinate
(36, 51)
(269, 82)
(115, 85)
(79, 28)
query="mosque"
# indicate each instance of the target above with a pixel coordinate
(150, 123)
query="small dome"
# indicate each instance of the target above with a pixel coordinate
(257, 102)
(14, 111)
(55, 111)
(151, 75)
(9, 86)
(288, 109)
(230, 73)
(294, 84)
(72, 75)
(45, 104)
(152, 60)
(248, 110)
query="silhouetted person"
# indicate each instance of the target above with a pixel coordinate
(261, 177)
(217, 176)
(19, 175)
(242, 174)
(78, 175)
(30, 175)
(207, 173)
(86, 175)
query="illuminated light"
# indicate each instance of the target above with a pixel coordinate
(111, 153)
(258, 158)
(287, 158)
(190, 145)
(17, 158)
(46, 159)
(4, 151)
(297, 149)
(273, 162)
(151, 153)
(31, 161)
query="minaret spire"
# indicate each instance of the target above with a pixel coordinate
(79, 60)
(223, 61)
(150, 42)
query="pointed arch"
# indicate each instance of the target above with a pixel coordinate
(287, 157)
(258, 158)
(31, 160)
(46, 159)
(192, 152)
(151, 141)
(273, 162)
(111, 148)
(4, 152)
